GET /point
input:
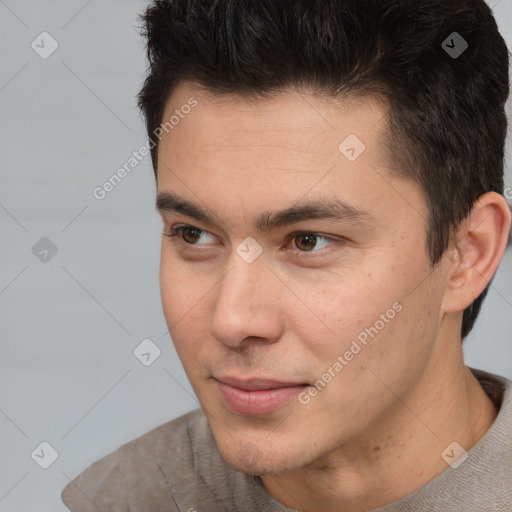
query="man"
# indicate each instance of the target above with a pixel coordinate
(330, 179)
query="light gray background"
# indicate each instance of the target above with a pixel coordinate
(69, 326)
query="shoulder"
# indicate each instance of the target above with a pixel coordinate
(497, 441)
(133, 472)
(497, 387)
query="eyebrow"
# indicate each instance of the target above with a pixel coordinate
(267, 221)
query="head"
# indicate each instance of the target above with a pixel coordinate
(354, 104)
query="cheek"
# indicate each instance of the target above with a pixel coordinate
(188, 296)
(170, 285)
(388, 354)
(347, 309)
(182, 293)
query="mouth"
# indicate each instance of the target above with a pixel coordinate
(252, 397)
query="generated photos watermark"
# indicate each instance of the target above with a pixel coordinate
(355, 348)
(100, 192)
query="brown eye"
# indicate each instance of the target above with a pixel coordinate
(193, 234)
(189, 235)
(305, 241)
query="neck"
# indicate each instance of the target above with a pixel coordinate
(381, 466)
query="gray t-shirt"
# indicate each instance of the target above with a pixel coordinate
(177, 467)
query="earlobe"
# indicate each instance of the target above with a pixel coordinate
(480, 242)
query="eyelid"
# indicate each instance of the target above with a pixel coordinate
(176, 229)
(311, 254)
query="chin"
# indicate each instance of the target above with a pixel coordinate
(268, 464)
(261, 457)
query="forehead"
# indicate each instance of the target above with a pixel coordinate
(294, 110)
(257, 152)
(293, 129)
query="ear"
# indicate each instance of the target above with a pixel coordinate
(476, 251)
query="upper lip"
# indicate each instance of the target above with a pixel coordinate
(257, 384)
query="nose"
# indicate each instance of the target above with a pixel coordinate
(247, 306)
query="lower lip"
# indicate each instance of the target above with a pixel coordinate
(263, 401)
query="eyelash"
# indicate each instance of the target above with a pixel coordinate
(178, 230)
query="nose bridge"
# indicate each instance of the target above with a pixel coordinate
(244, 305)
(242, 285)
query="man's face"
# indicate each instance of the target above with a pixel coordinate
(260, 313)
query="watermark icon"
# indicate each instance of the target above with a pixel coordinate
(454, 45)
(508, 193)
(44, 250)
(44, 455)
(249, 250)
(355, 348)
(146, 352)
(44, 45)
(100, 192)
(352, 147)
(249, 454)
(454, 455)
